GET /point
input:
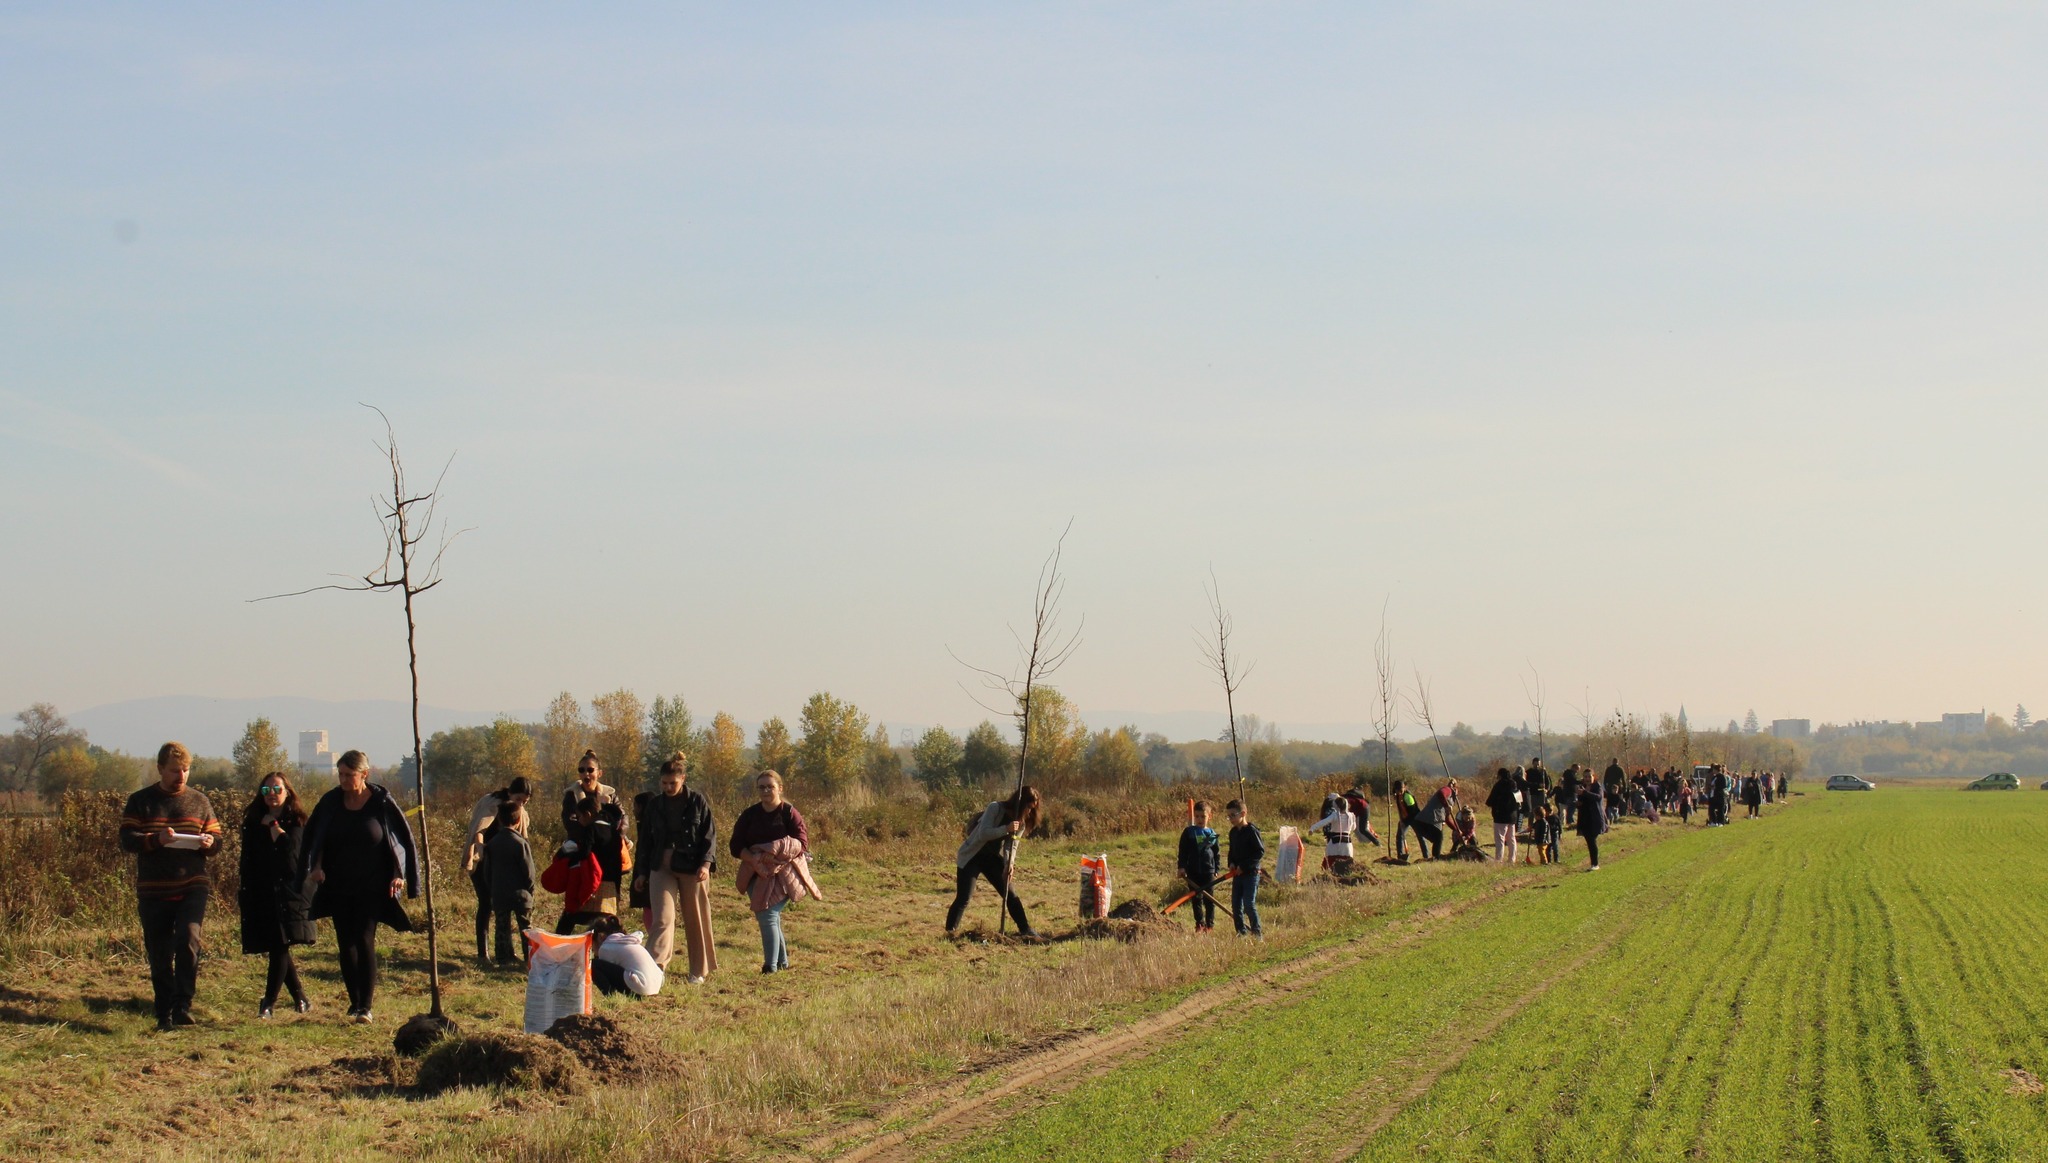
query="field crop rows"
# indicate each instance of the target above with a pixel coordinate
(1855, 978)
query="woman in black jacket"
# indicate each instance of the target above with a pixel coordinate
(360, 857)
(1592, 821)
(1505, 802)
(273, 908)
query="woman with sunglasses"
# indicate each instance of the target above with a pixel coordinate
(273, 907)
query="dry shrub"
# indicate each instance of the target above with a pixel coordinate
(611, 1051)
(514, 1061)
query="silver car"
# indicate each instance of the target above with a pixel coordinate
(1850, 783)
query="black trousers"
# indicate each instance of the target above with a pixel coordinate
(1593, 850)
(987, 864)
(1204, 906)
(283, 973)
(482, 885)
(355, 936)
(1428, 837)
(170, 939)
(506, 917)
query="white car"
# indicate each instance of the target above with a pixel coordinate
(1850, 783)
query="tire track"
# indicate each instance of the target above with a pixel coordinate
(1070, 1063)
(1469, 1040)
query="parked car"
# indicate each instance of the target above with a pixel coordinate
(1996, 781)
(1850, 783)
(2044, 785)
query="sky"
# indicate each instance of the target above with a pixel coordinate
(1661, 354)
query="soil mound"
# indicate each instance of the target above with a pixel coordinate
(517, 1061)
(419, 1033)
(1134, 910)
(611, 1051)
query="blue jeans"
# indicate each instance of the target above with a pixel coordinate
(1244, 902)
(774, 950)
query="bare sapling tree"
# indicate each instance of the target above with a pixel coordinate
(1532, 689)
(1385, 716)
(1230, 672)
(1585, 711)
(408, 569)
(1038, 659)
(1422, 712)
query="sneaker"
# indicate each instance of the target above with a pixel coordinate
(164, 1024)
(302, 1005)
(363, 1017)
(1595, 868)
(767, 969)
(693, 979)
(264, 1013)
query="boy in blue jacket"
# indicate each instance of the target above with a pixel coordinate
(1200, 862)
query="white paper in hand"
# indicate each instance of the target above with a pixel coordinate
(185, 840)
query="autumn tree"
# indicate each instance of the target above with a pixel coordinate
(42, 733)
(885, 766)
(669, 730)
(509, 753)
(258, 753)
(69, 768)
(1057, 738)
(772, 750)
(564, 736)
(459, 760)
(616, 724)
(832, 753)
(986, 756)
(1113, 760)
(722, 753)
(936, 758)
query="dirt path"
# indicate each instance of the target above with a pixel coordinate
(958, 1109)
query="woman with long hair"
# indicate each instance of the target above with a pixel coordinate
(984, 855)
(273, 907)
(360, 858)
(772, 845)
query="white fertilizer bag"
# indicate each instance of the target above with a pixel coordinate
(628, 951)
(1287, 856)
(557, 978)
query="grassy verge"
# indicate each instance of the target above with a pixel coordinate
(877, 1002)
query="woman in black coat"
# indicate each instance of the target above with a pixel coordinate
(273, 907)
(360, 858)
(1592, 821)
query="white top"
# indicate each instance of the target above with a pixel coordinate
(1340, 821)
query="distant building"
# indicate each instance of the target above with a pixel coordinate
(1792, 728)
(314, 757)
(1967, 723)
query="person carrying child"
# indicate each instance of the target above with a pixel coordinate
(508, 868)
(1247, 849)
(1336, 825)
(1199, 863)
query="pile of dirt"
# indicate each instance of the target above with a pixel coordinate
(611, 1051)
(419, 1033)
(2021, 1082)
(516, 1061)
(1134, 910)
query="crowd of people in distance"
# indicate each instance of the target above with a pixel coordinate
(353, 860)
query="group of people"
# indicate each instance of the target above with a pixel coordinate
(353, 859)
(349, 860)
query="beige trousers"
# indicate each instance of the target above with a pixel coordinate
(670, 893)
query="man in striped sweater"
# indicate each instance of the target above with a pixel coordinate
(172, 830)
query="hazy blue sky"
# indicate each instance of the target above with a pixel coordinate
(1684, 353)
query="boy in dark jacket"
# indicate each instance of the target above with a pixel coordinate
(1247, 849)
(508, 864)
(1199, 865)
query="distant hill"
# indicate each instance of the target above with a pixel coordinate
(381, 727)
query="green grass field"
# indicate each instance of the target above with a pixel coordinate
(1857, 977)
